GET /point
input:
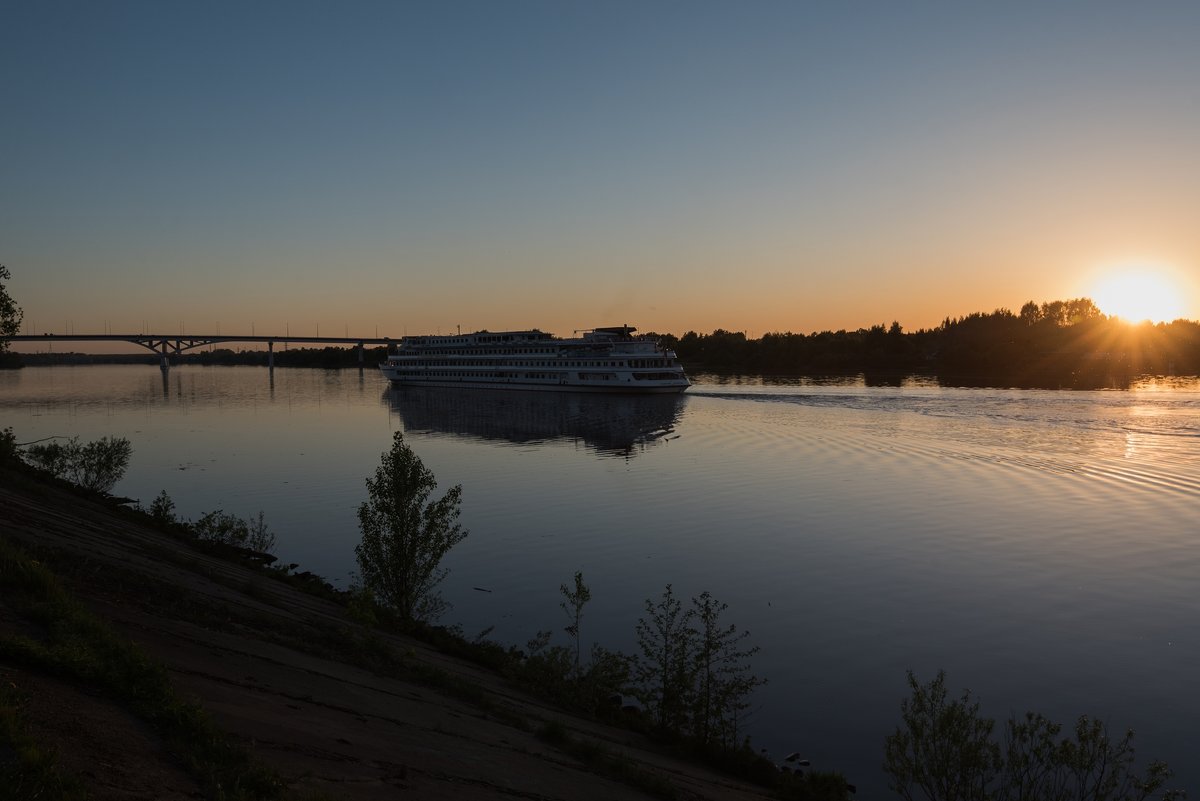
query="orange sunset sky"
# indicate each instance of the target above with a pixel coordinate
(768, 166)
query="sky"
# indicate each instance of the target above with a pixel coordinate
(387, 168)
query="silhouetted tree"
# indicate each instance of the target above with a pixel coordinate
(10, 315)
(8, 446)
(1030, 313)
(1055, 312)
(572, 605)
(723, 682)
(665, 667)
(944, 748)
(1081, 310)
(944, 751)
(405, 535)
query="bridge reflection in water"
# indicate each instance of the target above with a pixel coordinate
(611, 425)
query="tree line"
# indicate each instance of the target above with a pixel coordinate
(1059, 343)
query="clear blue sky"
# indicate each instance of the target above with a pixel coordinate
(674, 165)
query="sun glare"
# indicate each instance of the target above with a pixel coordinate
(1139, 293)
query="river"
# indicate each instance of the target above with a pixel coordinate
(1042, 547)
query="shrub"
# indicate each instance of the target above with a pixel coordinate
(221, 527)
(162, 509)
(693, 674)
(96, 465)
(8, 447)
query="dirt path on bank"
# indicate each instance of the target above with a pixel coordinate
(272, 666)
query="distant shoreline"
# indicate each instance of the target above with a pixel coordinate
(1057, 345)
(878, 377)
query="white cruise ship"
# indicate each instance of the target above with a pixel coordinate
(601, 360)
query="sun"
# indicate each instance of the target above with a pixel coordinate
(1138, 293)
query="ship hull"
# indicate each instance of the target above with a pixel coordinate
(613, 388)
(603, 360)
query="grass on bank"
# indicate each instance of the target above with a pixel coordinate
(29, 772)
(71, 644)
(606, 762)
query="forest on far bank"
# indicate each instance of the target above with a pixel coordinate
(1055, 344)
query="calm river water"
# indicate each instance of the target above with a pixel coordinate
(1042, 547)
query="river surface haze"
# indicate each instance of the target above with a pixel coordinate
(1042, 547)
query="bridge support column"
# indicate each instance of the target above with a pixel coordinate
(360, 354)
(271, 354)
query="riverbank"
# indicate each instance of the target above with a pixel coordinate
(331, 707)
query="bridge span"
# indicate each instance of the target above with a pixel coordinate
(166, 345)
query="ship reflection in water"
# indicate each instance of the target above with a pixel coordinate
(610, 425)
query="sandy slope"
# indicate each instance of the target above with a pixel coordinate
(243, 646)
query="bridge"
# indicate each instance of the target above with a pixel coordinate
(166, 345)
